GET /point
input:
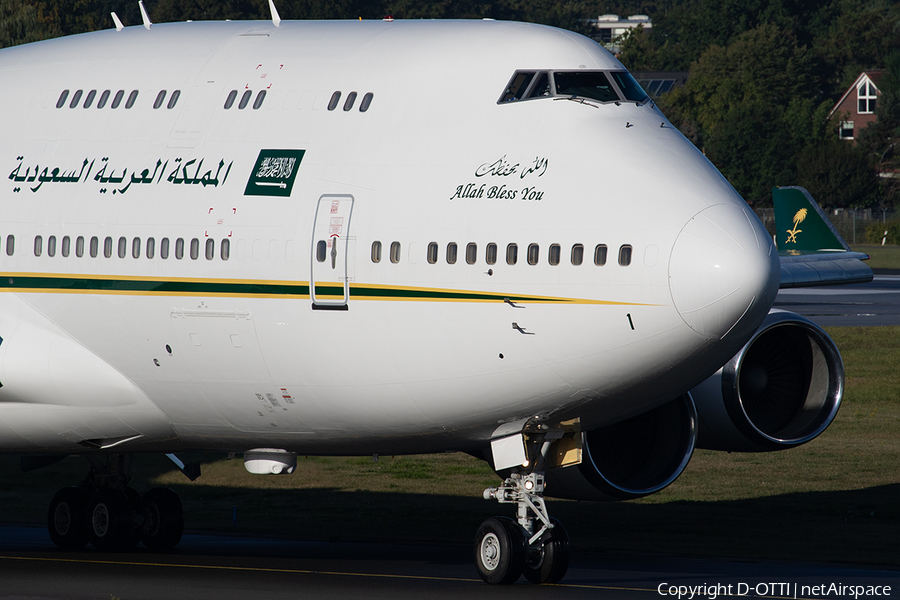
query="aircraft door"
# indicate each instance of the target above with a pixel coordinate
(329, 286)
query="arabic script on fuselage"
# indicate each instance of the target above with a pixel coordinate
(176, 171)
(507, 189)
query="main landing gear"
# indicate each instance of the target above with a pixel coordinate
(534, 544)
(104, 511)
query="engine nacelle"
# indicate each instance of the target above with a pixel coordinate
(632, 458)
(781, 390)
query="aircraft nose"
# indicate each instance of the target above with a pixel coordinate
(724, 272)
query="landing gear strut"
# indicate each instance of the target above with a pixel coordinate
(534, 544)
(104, 511)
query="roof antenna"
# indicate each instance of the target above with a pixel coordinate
(144, 16)
(119, 26)
(276, 20)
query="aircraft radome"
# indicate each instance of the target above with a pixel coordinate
(379, 237)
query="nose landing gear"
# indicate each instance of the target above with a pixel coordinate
(506, 549)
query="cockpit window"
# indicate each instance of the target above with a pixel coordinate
(541, 87)
(518, 86)
(593, 85)
(585, 84)
(629, 86)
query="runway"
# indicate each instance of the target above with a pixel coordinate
(223, 567)
(864, 304)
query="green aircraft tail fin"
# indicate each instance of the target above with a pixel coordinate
(801, 225)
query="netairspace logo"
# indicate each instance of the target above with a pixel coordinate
(772, 590)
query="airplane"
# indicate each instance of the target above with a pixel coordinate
(820, 255)
(274, 238)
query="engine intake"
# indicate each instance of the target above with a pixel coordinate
(781, 390)
(632, 458)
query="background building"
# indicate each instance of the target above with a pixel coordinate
(856, 108)
(612, 27)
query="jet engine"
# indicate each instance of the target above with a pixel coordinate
(781, 390)
(631, 458)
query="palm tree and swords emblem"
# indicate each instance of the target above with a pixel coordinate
(792, 233)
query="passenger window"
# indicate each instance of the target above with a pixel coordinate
(151, 248)
(195, 249)
(10, 245)
(244, 100)
(164, 248)
(160, 98)
(174, 99)
(66, 246)
(132, 97)
(351, 98)
(432, 252)
(117, 100)
(51, 246)
(534, 253)
(366, 102)
(179, 248)
(260, 98)
(376, 252)
(225, 251)
(335, 98)
(38, 245)
(104, 97)
(76, 98)
(577, 254)
(490, 254)
(107, 247)
(62, 99)
(554, 254)
(90, 98)
(512, 254)
(95, 247)
(210, 248)
(123, 247)
(472, 253)
(136, 248)
(79, 246)
(625, 255)
(600, 255)
(229, 102)
(321, 250)
(451, 253)
(395, 252)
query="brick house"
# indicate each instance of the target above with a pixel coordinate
(856, 108)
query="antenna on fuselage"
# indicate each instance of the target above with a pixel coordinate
(144, 16)
(119, 26)
(276, 20)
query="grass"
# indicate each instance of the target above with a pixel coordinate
(882, 257)
(834, 499)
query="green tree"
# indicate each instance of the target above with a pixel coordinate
(838, 174)
(761, 65)
(854, 35)
(24, 22)
(880, 139)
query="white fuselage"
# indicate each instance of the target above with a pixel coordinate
(229, 354)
